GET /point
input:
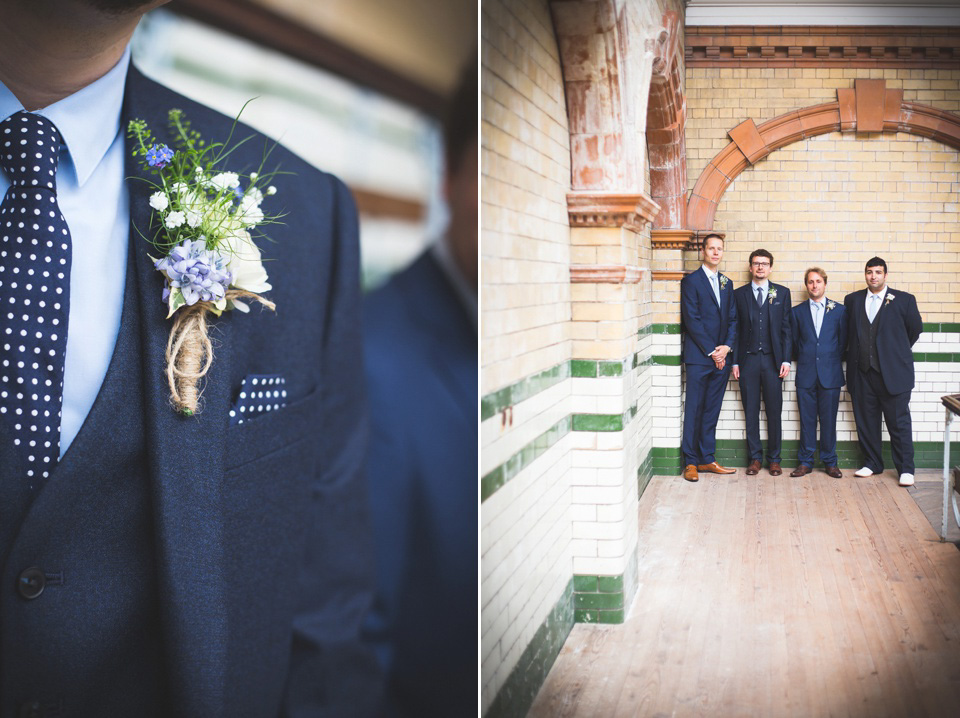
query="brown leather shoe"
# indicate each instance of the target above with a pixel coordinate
(715, 468)
(690, 473)
(834, 472)
(801, 470)
(775, 469)
(754, 468)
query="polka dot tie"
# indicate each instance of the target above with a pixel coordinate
(34, 291)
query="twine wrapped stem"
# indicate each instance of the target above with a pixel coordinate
(190, 352)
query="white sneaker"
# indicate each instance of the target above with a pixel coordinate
(906, 479)
(863, 471)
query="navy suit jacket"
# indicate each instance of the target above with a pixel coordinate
(260, 530)
(819, 357)
(748, 313)
(421, 367)
(706, 325)
(900, 327)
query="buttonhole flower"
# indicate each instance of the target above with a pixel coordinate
(772, 294)
(158, 200)
(889, 298)
(831, 305)
(159, 156)
(723, 282)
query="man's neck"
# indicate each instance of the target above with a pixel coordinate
(49, 50)
(715, 269)
(760, 282)
(877, 291)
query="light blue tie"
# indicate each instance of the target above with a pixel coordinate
(873, 306)
(716, 287)
(817, 317)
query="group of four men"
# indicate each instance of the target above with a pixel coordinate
(754, 333)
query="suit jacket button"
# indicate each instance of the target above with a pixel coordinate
(31, 709)
(30, 584)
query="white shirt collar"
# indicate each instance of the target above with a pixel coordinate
(821, 302)
(882, 293)
(88, 120)
(765, 286)
(710, 275)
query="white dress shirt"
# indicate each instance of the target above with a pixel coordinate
(816, 313)
(92, 196)
(714, 279)
(874, 302)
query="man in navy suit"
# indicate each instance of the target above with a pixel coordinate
(420, 341)
(175, 565)
(883, 326)
(819, 340)
(709, 330)
(762, 357)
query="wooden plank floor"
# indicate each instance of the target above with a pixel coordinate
(762, 596)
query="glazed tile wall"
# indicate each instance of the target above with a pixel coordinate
(526, 437)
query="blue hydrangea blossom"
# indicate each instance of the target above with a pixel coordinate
(198, 273)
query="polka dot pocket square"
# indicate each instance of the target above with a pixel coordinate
(259, 394)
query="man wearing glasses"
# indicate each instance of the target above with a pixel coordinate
(762, 357)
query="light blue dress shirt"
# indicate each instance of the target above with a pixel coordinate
(93, 198)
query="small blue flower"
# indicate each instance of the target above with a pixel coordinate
(199, 274)
(159, 156)
(237, 194)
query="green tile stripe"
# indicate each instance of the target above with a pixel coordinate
(598, 599)
(731, 452)
(944, 328)
(494, 480)
(522, 685)
(936, 356)
(645, 472)
(524, 389)
(941, 328)
(597, 422)
(590, 369)
(667, 359)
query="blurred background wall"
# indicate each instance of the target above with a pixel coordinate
(356, 87)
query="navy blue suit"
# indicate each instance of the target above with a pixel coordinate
(759, 352)
(421, 367)
(819, 378)
(706, 325)
(888, 390)
(195, 568)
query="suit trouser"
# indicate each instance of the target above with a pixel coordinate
(759, 373)
(818, 402)
(701, 411)
(871, 400)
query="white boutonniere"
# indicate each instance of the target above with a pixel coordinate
(201, 226)
(889, 298)
(772, 294)
(723, 282)
(831, 305)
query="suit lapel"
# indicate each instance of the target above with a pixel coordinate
(808, 319)
(185, 456)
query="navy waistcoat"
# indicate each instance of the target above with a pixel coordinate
(89, 643)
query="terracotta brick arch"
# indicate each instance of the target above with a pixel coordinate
(666, 120)
(868, 107)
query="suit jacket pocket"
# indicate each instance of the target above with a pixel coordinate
(272, 431)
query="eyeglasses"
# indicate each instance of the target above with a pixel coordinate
(760, 264)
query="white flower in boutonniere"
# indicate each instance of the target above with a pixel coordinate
(772, 294)
(723, 282)
(889, 298)
(202, 224)
(831, 305)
